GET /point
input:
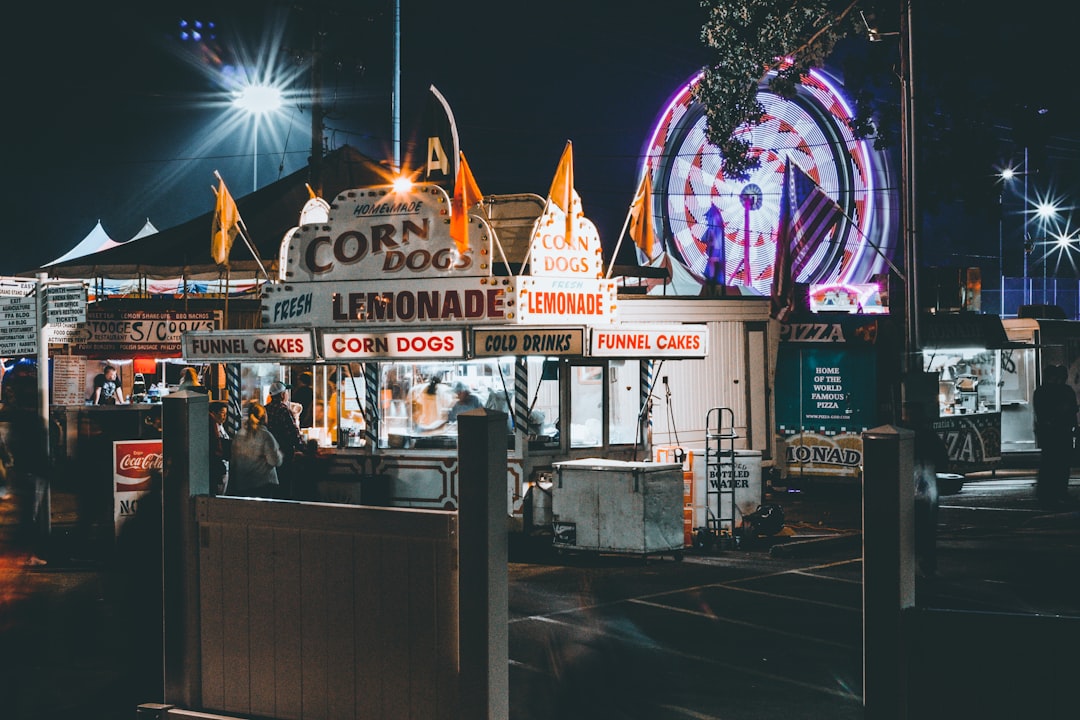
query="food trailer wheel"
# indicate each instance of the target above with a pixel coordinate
(678, 555)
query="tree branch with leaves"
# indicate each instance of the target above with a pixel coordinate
(751, 39)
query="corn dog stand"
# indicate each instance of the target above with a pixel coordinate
(518, 318)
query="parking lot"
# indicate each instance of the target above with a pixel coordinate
(764, 632)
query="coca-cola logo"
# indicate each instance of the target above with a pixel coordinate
(135, 464)
(139, 465)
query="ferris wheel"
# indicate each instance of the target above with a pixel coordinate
(811, 131)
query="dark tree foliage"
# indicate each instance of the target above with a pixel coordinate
(749, 38)
(975, 107)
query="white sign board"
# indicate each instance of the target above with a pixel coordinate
(69, 379)
(16, 287)
(541, 341)
(371, 304)
(248, 346)
(670, 341)
(413, 345)
(551, 301)
(65, 304)
(18, 326)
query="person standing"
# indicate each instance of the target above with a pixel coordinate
(219, 446)
(189, 380)
(25, 455)
(465, 401)
(1055, 408)
(107, 390)
(282, 424)
(304, 393)
(254, 458)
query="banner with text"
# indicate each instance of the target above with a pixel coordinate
(249, 346)
(653, 341)
(140, 333)
(417, 345)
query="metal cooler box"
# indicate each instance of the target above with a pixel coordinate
(616, 506)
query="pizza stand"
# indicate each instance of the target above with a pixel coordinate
(382, 297)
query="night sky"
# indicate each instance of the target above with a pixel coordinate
(111, 118)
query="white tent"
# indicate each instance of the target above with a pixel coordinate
(94, 242)
(147, 229)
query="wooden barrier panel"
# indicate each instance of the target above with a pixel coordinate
(311, 610)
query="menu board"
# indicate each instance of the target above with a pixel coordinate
(69, 380)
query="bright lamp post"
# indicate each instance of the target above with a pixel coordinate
(1044, 210)
(257, 100)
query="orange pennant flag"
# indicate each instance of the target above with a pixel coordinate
(466, 194)
(226, 224)
(641, 217)
(562, 188)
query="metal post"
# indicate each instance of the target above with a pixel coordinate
(1027, 235)
(186, 455)
(483, 577)
(45, 509)
(255, 158)
(888, 567)
(1001, 249)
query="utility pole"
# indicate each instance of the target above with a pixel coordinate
(909, 217)
(317, 114)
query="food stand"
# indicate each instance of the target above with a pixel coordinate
(141, 338)
(962, 353)
(1035, 344)
(519, 315)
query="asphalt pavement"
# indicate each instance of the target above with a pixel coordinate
(69, 650)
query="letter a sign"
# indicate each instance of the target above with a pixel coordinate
(440, 165)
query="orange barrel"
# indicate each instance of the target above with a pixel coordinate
(672, 454)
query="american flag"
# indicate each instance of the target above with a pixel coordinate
(814, 215)
(807, 215)
(783, 284)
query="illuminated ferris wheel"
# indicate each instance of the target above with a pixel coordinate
(811, 131)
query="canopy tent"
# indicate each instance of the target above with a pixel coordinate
(95, 241)
(147, 229)
(183, 251)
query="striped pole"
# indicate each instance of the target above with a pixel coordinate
(521, 395)
(645, 389)
(232, 394)
(371, 403)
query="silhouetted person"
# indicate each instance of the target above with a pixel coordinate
(219, 445)
(304, 393)
(1055, 407)
(255, 458)
(283, 424)
(24, 447)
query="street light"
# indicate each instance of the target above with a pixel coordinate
(1044, 210)
(257, 100)
(1007, 175)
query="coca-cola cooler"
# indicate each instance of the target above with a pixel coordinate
(87, 469)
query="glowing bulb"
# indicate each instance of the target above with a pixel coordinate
(402, 185)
